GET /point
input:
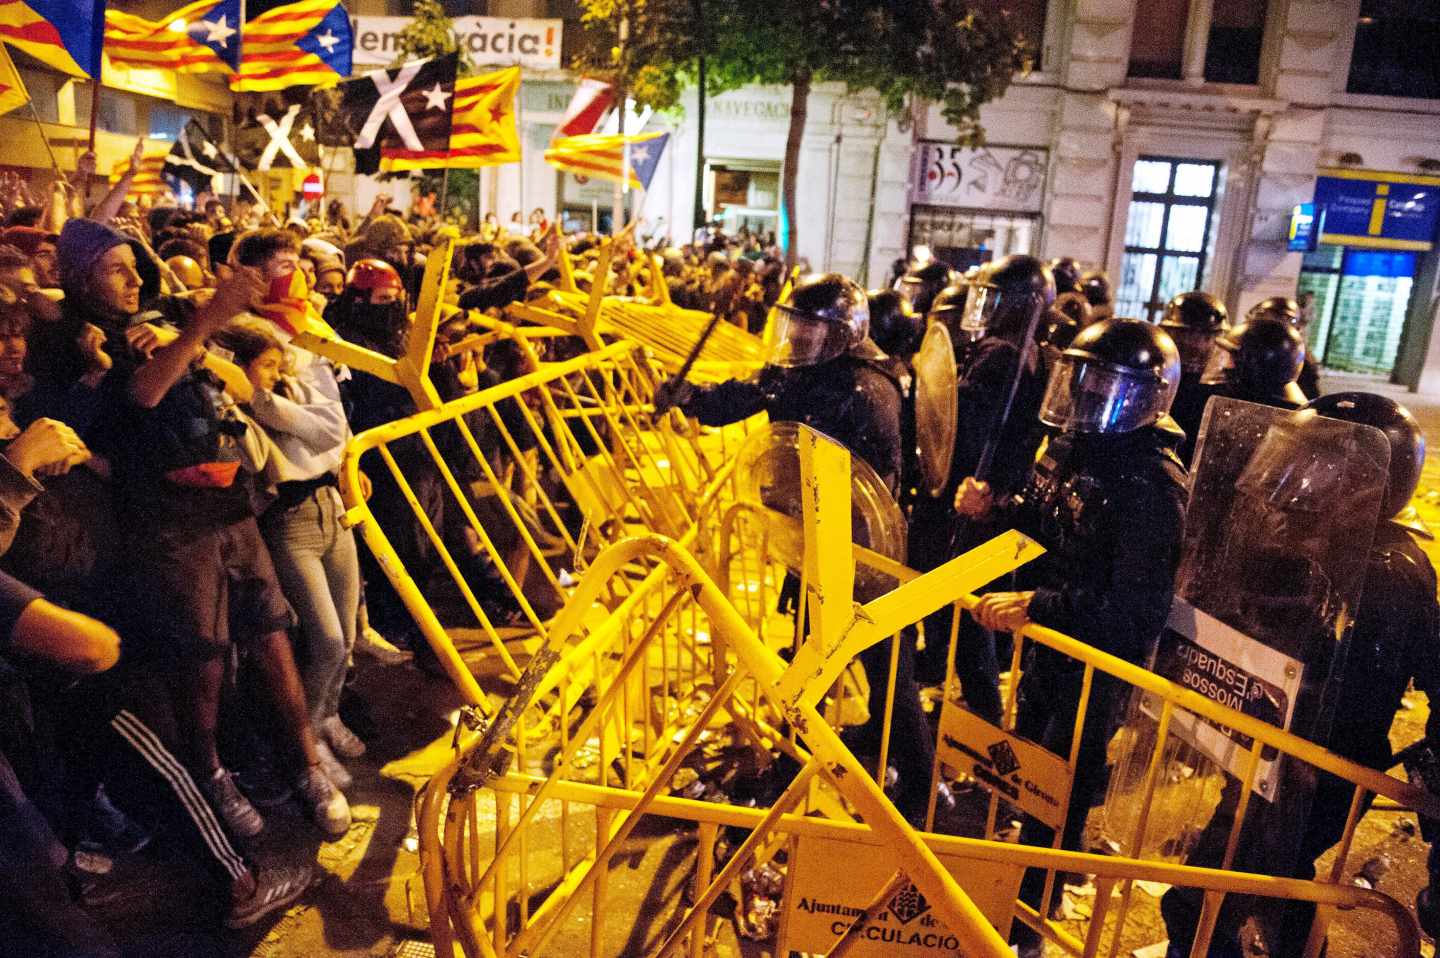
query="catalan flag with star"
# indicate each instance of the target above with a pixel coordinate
(307, 43)
(203, 37)
(12, 89)
(65, 34)
(603, 155)
(483, 131)
(148, 177)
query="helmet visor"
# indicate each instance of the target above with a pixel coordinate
(802, 340)
(1219, 365)
(1195, 346)
(1092, 397)
(980, 307)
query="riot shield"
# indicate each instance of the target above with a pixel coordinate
(769, 474)
(1283, 508)
(936, 407)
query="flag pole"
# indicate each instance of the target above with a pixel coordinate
(96, 87)
(445, 192)
(54, 161)
(617, 214)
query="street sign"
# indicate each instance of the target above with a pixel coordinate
(1395, 211)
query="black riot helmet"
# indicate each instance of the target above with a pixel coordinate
(1008, 296)
(948, 309)
(1407, 442)
(1282, 308)
(894, 326)
(1096, 287)
(1064, 320)
(1260, 357)
(1066, 271)
(825, 316)
(1193, 320)
(921, 284)
(1115, 377)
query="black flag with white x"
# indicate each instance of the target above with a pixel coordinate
(276, 133)
(402, 117)
(195, 160)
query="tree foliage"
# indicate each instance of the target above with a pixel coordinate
(430, 33)
(958, 53)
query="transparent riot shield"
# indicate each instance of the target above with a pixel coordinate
(1283, 508)
(936, 407)
(769, 474)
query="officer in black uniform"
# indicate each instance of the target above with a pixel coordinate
(896, 330)
(1395, 641)
(1107, 500)
(1193, 320)
(1095, 286)
(1066, 270)
(997, 434)
(1288, 311)
(921, 284)
(1258, 361)
(826, 373)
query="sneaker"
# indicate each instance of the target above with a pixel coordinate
(324, 801)
(342, 741)
(235, 809)
(111, 830)
(339, 776)
(373, 644)
(276, 887)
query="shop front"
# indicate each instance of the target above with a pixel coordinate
(972, 206)
(1364, 241)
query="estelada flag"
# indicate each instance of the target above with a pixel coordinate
(203, 37)
(300, 44)
(483, 130)
(12, 88)
(287, 305)
(66, 34)
(602, 155)
(404, 114)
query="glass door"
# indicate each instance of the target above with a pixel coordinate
(1167, 233)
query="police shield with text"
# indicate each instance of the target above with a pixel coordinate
(1284, 505)
(1107, 501)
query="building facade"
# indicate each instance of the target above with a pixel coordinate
(1246, 147)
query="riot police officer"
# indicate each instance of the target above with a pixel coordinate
(1095, 285)
(1107, 500)
(1288, 311)
(1257, 361)
(1193, 320)
(921, 284)
(1395, 641)
(996, 436)
(894, 325)
(1066, 270)
(826, 373)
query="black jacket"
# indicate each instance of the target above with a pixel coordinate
(853, 401)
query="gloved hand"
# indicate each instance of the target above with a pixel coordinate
(672, 393)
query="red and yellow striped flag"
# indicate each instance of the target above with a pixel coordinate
(148, 181)
(12, 88)
(202, 37)
(307, 43)
(287, 305)
(602, 155)
(482, 127)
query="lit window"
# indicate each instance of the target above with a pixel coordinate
(1167, 233)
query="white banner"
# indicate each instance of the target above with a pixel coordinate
(990, 178)
(489, 41)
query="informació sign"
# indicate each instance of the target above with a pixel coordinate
(1374, 210)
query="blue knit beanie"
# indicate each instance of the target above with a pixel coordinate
(82, 243)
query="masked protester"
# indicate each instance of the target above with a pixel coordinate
(825, 372)
(1107, 500)
(1394, 643)
(1194, 320)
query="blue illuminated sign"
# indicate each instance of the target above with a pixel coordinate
(1302, 228)
(1394, 211)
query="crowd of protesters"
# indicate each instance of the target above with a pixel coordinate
(180, 600)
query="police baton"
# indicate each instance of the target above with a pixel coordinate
(666, 397)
